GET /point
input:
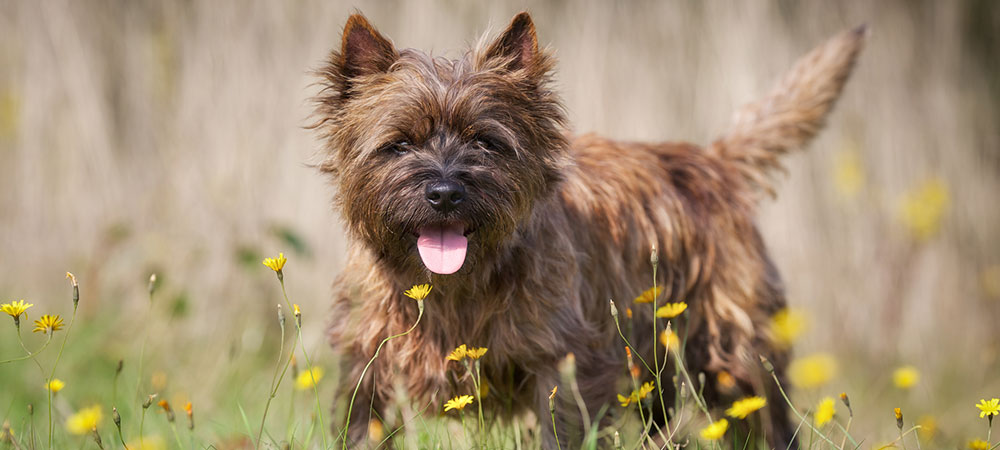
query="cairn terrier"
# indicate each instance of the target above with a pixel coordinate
(461, 174)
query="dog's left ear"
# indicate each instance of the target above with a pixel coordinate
(517, 45)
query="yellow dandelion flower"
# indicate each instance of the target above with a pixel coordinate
(55, 385)
(418, 291)
(988, 408)
(15, 309)
(825, 411)
(636, 395)
(376, 432)
(671, 310)
(458, 403)
(715, 431)
(649, 295)
(849, 172)
(928, 427)
(276, 264)
(645, 389)
(812, 371)
(148, 443)
(787, 325)
(309, 378)
(922, 208)
(48, 324)
(85, 420)
(746, 406)
(906, 377)
(475, 353)
(979, 444)
(458, 354)
(670, 340)
(726, 381)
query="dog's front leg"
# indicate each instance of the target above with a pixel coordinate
(368, 403)
(586, 387)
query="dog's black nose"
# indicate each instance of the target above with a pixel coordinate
(444, 195)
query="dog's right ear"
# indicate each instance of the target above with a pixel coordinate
(363, 51)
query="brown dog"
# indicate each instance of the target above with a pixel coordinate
(459, 173)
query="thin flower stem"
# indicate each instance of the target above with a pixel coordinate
(796, 411)
(30, 354)
(142, 423)
(177, 437)
(847, 432)
(630, 346)
(55, 364)
(122, 439)
(350, 406)
(309, 366)
(479, 403)
(552, 413)
(656, 361)
(274, 380)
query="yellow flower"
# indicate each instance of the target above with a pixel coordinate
(85, 420)
(726, 381)
(906, 377)
(418, 291)
(476, 353)
(715, 431)
(979, 444)
(645, 389)
(458, 403)
(15, 309)
(744, 407)
(148, 443)
(55, 385)
(928, 427)
(670, 340)
(812, 371)
(296, 310)
(824, 411)
(458, 354)
(308, 378)
(636, 395)
(787, 325)
(276, 264)
(649, 295)
(671, 310)
(48, 324)
(922, 208)
(988, 408)
(848, 172)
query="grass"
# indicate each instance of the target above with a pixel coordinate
(66, 422)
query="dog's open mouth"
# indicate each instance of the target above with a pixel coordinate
(443, 247)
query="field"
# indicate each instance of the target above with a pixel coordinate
(168, 138)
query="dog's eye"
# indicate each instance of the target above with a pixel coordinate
(488, 143)
(398, 147)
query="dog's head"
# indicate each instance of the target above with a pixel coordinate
(437, 161)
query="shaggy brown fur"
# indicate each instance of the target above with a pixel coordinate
(556, 225)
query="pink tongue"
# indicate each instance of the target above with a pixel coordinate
(442, 248)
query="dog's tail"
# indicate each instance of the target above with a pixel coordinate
(789, 117)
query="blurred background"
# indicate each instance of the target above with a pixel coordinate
(168, 137)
